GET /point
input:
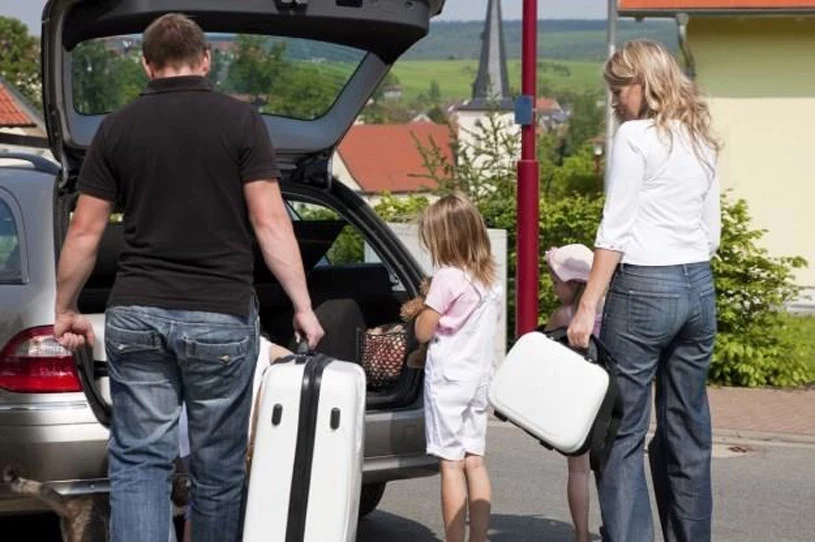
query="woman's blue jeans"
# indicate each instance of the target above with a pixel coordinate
(660, 324)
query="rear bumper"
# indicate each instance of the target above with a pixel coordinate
(59, 442)
(65, 446)
(395, 446)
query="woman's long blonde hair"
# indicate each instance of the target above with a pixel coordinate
(454, 233)
(668, 94)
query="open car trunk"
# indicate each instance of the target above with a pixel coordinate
(350, 44)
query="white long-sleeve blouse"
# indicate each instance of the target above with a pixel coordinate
(662, 197)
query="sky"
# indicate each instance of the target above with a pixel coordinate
(29, 11)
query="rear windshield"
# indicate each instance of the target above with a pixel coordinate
(290, 77)
(10, 259)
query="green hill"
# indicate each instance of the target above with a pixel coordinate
(565, 39)
(455, 77)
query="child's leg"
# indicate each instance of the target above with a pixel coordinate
(479, 492)
(453, 499)
(578, 492)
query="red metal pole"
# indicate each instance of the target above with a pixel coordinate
(527, 273)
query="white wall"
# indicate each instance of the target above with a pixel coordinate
(409, 235)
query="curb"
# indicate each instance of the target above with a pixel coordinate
(720, 435)
(764, 437)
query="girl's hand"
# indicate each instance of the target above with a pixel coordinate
(581, 327)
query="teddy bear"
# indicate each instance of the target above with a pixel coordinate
(409, 311)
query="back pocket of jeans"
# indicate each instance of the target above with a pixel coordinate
(217, 347)
(131, 341)
(652, 315)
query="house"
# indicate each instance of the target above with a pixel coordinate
(754, 60)
(19, 122)
(376, 158)
(392, 92)
(550, 113)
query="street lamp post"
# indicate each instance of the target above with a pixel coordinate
(528, 195)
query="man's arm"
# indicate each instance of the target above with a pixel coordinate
(275, 235)
(76, 262)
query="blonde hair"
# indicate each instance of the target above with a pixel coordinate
(454, 233)
(668, 94)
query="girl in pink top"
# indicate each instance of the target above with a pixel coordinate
(569, 267)
(459, 321)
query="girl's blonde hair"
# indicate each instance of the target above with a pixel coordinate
(454, 233)
(668, 94)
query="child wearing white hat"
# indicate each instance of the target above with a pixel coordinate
(569, 266)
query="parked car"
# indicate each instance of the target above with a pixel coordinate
(54, 406)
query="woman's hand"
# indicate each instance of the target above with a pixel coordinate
(581, 327)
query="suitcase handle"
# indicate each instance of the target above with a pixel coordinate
(302, 347)
(601, 353)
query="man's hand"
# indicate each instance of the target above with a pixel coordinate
(307, 326)
(73, 331)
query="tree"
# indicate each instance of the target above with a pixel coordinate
(20, 59)
(256, 67)
(434, 94)
(104, 79)
(277, 84)
(586, 120)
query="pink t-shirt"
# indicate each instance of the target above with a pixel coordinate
(453, 296)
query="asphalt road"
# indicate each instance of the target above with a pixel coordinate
(764, 493)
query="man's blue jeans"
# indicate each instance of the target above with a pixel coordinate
(157, 359)
(660, 324)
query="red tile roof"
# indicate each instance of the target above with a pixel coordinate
(11, 114)
(547, 104)
(385, 157)
(701, 5)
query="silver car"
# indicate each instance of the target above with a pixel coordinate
(54, 406)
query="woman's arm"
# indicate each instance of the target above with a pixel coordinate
(625, 178)
(605, 261)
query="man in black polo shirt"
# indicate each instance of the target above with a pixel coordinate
(195, 173)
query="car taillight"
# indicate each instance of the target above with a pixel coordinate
(34, 362)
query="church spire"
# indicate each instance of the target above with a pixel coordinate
(492, 83)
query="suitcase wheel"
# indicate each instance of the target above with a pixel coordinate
(501, 417)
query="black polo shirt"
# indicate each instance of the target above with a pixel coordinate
(176, 160)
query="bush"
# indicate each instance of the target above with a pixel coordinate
(754, 344)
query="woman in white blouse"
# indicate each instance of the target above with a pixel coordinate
(660, 228)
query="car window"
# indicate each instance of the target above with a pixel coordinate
(349, 247)
(11, 269)
(290, 77)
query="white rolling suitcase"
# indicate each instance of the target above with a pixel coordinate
(568, 401)
(306, 468)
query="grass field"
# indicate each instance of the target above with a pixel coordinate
(455, 77)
